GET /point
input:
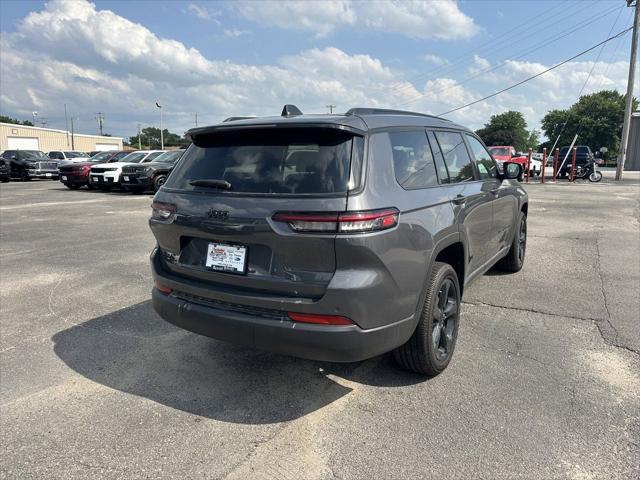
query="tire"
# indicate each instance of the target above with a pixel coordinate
(595, 176)
(514, 259)
(427, 351)
(91, 187)
(158, 181)
(5, 180)
(72, 187)
(23, 176)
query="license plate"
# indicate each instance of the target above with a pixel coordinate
(126, 179)
(47, 174)
(227, 258)
(64, 178)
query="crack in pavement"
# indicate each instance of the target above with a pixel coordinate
(596, 321)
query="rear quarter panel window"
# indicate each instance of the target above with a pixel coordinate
(412, 159)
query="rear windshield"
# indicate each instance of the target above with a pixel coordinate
(134, 157)
(273, 161)
(118, 156)
(499, 151)
(169, 157)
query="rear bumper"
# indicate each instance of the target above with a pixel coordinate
(272, 330)
(315, 342)
(69, 179)
(135, 181)
(101, 180)
(36, 173)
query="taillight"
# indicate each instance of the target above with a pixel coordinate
(163, 211)
(319, 319)
(348, 222)
(86, 169)
(163, 289)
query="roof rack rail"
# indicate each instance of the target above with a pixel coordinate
(386, 111)
(233, 119)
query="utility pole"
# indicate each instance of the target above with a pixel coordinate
(100, 119)
(196, 119)
(161, 134)
(73, 145)
(66, 123)
(139, 138)
(330, 107)
(622, 156)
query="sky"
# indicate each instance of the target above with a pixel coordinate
(220, 59)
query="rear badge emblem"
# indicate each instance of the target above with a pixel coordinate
(217, 214)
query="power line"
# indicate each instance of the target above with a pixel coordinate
(535, 48)
(495, 94)
(502, 40)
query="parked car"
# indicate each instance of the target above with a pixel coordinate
(64, 157)
(535, 167)
(583, 157)
(149, 176)
(107, 177)
(5, 172)
(502, 153)
(281, 233)
(95, 152)
(76, 175)
(28, 164)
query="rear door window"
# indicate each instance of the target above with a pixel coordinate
(413, 160)
(456, 156)
(270, 161)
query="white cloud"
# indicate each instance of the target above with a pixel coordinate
(202, 12)
(413, 18)
(320, 17)
(435, 59)
(95, 60)
(235, 32)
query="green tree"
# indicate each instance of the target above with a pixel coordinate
(596, 118)
(150, 138)
(533, 140)
(5, 119)
(508, 128)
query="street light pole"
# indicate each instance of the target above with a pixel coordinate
(629, 100)
(161, 134)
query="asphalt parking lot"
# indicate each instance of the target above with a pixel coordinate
(545, 381)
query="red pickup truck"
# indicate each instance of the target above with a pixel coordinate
(507, 153)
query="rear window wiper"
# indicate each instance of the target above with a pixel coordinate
(212, 183)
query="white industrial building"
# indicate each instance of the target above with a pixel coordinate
(22, 137)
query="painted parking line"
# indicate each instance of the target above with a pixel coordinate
(73, 202)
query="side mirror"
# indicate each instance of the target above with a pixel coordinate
(511, 170)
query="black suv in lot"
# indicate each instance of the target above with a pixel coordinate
(584, 156)
(28, 164)
(149, 176)
(334, 237)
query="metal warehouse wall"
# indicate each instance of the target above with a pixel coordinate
(633, 153)
(49, 139)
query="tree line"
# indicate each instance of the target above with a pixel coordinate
(596, 118)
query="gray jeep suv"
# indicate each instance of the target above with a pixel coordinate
(333, 237)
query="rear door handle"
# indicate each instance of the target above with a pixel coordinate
(460, 199)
